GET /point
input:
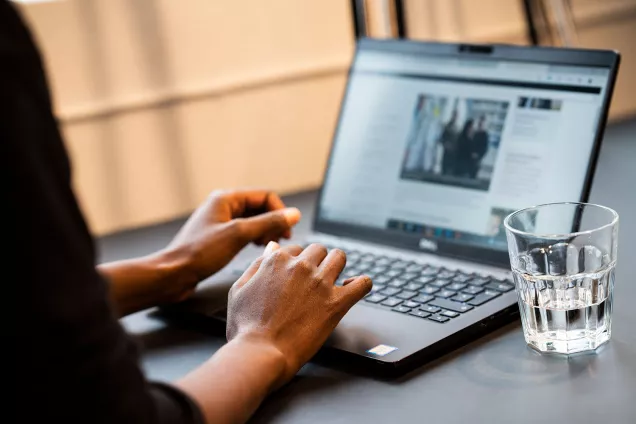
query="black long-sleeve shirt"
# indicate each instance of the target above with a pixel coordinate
(74, 363)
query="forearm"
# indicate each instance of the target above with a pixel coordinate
(232, 384)
(140, 283)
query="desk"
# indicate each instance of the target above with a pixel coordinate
(496, 379)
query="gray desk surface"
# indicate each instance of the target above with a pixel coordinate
(495, 380)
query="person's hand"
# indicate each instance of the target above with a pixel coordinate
(223, 225)
(287, 300)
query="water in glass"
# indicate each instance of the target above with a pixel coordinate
(566, 314)
(564, 279)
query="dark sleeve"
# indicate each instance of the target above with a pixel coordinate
(74, 363)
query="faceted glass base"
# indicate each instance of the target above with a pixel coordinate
(554, 345)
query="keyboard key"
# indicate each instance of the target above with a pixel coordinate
(375, 298)
(367, 258)
(413, 267)
(480, 299)
(399, 265)
(381, 279)
(463, 297)
(397, 282)
(352, 255)
(353, 272)
(450, 314)
(424, 279)
(364, 266)
(413, 286)
(392, 301)
(419, 314)
(446, 293)
(383, 261)
(447, 274)
(377, 270)
(480, 281)
(438, 318)
(377, 287)
(451, 305)
(430, 271)
(430, 309)
(456, 286)
(393, 272)
(410, 304)
(499, 286)
(350, 264)
(422, 298)
(462, 278)
(429, 290)
(440, 283)
(391, 291)
(409, 275)
(406, 294)
(403, 309)
(473, 290)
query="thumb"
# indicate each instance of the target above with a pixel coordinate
(353, 290)
(272, 224)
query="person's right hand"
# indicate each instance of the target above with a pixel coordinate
(287, 299)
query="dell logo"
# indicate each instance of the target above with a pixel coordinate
(427, 244)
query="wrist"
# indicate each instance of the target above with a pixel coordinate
(174, 268)
(262, 350)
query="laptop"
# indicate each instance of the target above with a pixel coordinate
(435, 145)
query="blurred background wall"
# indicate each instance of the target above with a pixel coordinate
(162, 101)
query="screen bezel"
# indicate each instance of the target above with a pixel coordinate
(546, 55)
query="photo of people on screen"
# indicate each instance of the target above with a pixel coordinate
(454, 141)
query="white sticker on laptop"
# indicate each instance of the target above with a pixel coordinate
(382, 350)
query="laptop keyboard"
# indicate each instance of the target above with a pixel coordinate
(423, 291)
(420, 290)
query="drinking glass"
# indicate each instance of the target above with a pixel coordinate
(563, 257)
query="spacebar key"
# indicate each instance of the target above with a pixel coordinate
(450, 305)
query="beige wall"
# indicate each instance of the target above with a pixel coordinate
(162, 101)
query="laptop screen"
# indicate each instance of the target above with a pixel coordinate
(446, 147)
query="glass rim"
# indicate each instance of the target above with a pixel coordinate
(612, 223)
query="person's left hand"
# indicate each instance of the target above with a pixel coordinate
(223, 225)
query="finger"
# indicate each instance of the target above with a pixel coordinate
(247, 203)
(270, 225)
(250, 271)
(253, 201)
(314, 254)
(271, 246)
(254, 266)
(332, 265)
(292, 249)
(353, 291)
(274, 202)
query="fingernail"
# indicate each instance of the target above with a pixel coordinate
(365, 278)
(292, 215)
(271, 246)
